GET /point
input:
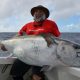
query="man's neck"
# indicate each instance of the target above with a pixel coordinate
(39, 23)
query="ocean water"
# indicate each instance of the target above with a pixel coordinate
(68, 36)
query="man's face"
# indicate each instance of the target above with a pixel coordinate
(39, 15)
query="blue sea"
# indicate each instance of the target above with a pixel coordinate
(68, 36)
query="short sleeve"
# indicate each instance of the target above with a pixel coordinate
(22, 30)
(55, 30)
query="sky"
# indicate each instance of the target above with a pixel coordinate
(16, 13)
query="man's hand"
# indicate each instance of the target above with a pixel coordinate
(47, 39)
(49, 42)
(16, 36)
(2, 47)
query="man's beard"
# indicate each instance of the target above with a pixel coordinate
(43, 17)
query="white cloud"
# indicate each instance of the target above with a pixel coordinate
(59, 9)
(3, 28)
(17, 7)
(20, 9)
(71, 28)
(66, 8)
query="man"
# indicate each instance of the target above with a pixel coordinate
(40, 25)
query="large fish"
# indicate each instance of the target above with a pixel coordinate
(34, 50)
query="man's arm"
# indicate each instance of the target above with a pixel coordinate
(17, 35)
(55, 30)
(22, 31)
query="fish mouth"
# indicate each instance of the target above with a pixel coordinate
(2, 47)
